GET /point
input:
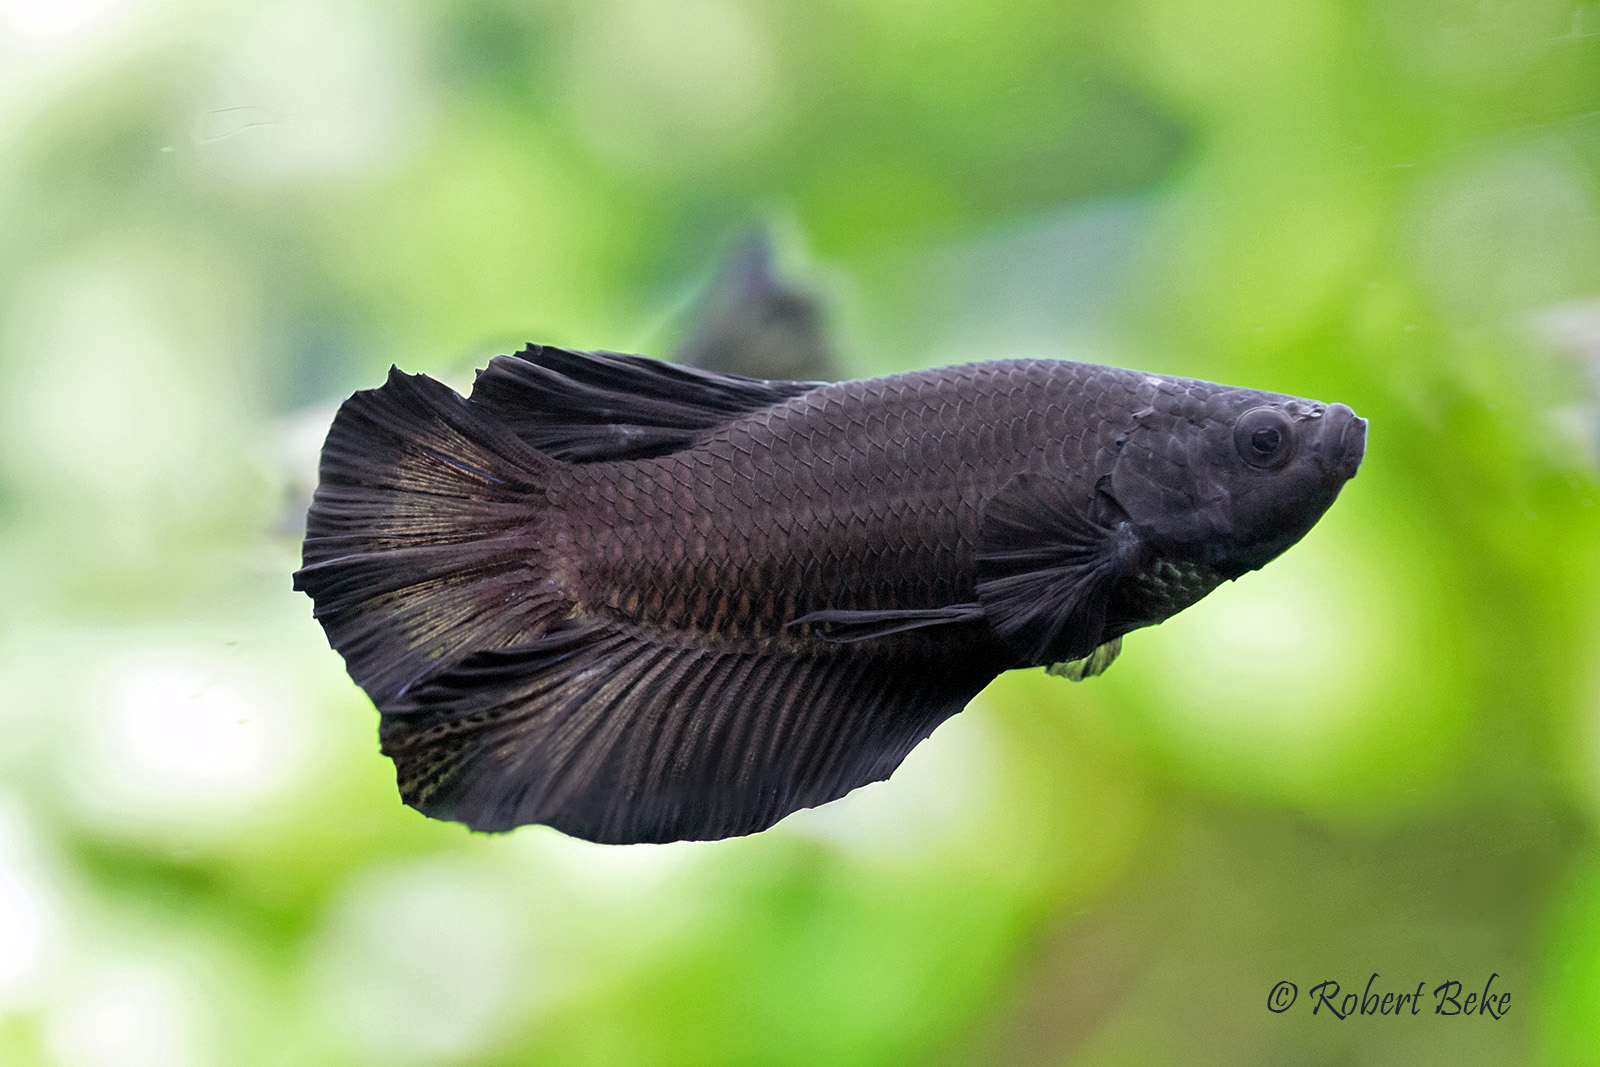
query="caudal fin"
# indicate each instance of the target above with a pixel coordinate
(423, 539)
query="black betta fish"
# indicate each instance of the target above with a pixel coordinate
(643, 602)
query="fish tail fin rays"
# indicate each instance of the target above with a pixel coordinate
(423, 539)
(586, 407)
(612, 733)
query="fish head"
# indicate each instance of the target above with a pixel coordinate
(1222, 480)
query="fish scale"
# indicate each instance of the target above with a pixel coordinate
(914, 550)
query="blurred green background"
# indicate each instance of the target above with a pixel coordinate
(1379, 755)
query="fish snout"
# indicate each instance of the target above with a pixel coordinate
(1343, 441)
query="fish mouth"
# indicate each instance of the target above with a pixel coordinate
(1343, 442)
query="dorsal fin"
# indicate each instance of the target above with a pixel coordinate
(589, 406)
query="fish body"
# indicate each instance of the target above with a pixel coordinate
(641, 602)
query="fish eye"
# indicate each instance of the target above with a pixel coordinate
(1264, 438)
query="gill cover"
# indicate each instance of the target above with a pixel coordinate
(1165, 475)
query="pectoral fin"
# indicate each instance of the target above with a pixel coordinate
(848, 627)
(1047, 567)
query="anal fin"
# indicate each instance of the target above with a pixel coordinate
(615, 733)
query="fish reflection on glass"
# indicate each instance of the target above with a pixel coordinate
(643, 602)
